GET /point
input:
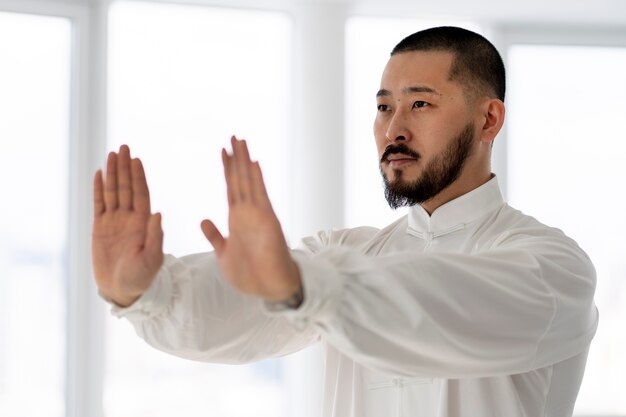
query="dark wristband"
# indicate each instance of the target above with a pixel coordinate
(294, 301)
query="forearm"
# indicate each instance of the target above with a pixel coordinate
(190, 311)
(447, 315)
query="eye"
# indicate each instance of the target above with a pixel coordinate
(383, 107)
(420, 104)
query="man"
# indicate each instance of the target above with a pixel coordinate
(464, 307)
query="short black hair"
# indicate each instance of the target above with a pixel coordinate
(477, 63)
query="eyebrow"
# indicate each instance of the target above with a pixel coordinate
(407, 90)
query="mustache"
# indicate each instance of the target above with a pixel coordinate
(401, 149)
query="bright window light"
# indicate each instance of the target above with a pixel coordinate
(34, 114)
(182, 80)
(565, 156)
(369, 40)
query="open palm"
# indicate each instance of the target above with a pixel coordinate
(255, 257)
(126, 239)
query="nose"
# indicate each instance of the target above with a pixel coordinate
(398, 129)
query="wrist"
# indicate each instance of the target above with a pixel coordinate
(294, 300)
(295, 296)
(121, 302)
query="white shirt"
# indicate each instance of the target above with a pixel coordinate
(475, 311)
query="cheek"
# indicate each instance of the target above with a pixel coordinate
(379, 136)
(436, 135)
(440, 135)
(377, 126)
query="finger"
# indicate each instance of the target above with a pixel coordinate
(242, 170)
(233, 172)
(213, 235)
(229, 188)
(141, 193)
(110, 185)
(98, 194)
(258, 185)
(154, 237)
(124, 190)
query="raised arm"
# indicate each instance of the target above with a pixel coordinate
(523, 305)
(206, 306)
(127, 238)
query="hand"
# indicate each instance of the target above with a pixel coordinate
(255, 257)
(127, 239)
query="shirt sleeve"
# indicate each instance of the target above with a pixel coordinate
(521, 305)
(191, 311)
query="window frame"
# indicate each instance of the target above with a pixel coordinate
(84, 317)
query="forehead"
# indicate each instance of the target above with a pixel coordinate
(424, 68)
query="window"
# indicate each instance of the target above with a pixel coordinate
(34, 126)
(182, 80)
(170, 98)
(566, 147)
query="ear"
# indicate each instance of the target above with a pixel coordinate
(492, 119)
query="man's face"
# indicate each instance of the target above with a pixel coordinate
(423, 128)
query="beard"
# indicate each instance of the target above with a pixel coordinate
(441, 171)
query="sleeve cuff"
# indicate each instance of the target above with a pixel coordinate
(322, 286)
(154, 300)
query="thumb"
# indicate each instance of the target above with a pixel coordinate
(213, 235)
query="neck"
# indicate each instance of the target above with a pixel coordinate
(461, 186)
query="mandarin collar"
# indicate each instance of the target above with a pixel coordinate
(457, 213)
